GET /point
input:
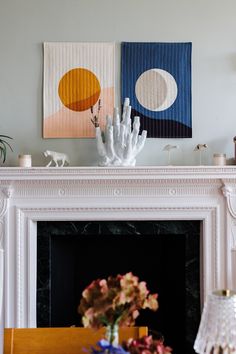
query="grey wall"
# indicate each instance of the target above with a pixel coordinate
(209, 24)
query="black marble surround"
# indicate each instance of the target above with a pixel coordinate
(185, 310)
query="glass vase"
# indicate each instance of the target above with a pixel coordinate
(112, 334)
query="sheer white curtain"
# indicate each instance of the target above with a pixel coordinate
(1, 299)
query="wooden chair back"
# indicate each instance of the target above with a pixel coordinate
(73, 340)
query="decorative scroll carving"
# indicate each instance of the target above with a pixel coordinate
(230, 195)
(5, 194)
(227, 191)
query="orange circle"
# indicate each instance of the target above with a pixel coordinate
(79, 89)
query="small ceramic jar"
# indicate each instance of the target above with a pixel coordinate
(219, 159)
(25, 160)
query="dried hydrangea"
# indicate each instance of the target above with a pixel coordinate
(116, 300)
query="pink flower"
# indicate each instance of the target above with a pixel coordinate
(89, 313)
(85, 293)
(135, 314)
(148, 340)
(128, 280)
(143, 289)
(146, 345)
(151, 302)
(103, 285)
(120, 299)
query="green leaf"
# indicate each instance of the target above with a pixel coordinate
(4, 155)
(5, 142)
(3, 147)
(6, 136)
(3, 151)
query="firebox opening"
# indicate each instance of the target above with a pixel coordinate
(164, 254)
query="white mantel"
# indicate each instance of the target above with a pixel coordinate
(205, 193)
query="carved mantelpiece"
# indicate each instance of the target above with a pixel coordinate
(206, 193)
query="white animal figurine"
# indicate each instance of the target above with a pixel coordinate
(121, 143)
(168, 148)
(56, 157)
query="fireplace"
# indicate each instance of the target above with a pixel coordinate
(78, 194)
(72, 254)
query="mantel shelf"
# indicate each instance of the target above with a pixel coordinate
(139, 172)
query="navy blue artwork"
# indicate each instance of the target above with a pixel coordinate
(157, 79)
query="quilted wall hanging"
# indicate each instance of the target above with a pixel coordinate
(78, 84)
(157, 78)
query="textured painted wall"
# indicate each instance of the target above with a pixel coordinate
(209, 25)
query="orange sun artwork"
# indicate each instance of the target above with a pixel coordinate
(78, 80)
(79, 89)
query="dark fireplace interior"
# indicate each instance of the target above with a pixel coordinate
(165, 254)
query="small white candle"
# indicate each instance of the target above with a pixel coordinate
(1, 300)
(219, 159)
(25, 160)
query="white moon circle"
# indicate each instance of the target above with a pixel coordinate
(156, 89)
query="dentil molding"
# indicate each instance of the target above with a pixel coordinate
(146, 172)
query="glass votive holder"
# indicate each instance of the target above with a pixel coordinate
(219, 159)
(25, 160)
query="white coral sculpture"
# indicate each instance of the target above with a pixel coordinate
(120, 144)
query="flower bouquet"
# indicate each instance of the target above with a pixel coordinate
(114, 302)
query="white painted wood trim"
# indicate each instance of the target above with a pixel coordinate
(27, 195)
